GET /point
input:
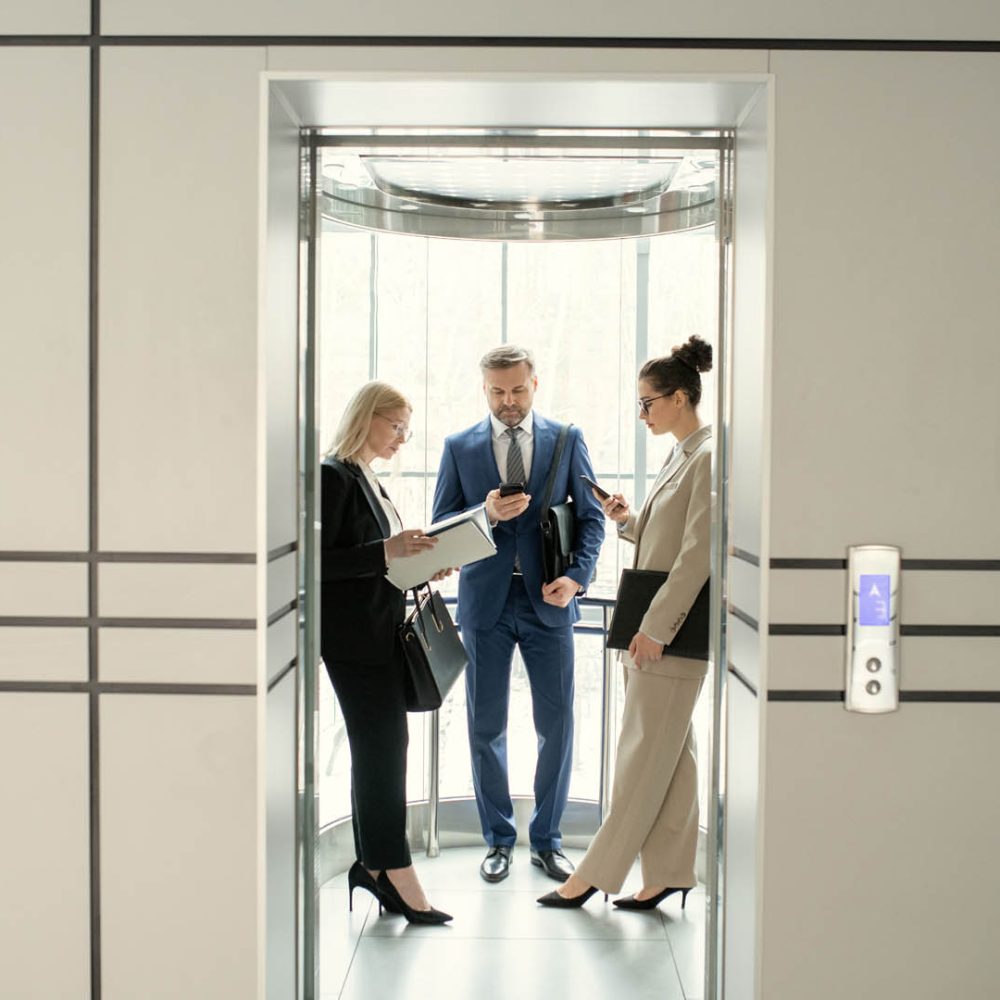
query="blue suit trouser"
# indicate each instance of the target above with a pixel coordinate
(548, 659)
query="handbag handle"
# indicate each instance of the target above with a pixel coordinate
(550, 485)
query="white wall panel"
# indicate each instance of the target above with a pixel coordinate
(744, 650)
(50, 589)
(282, 733)
(178, 656)
(483, 59)
(886, 419)
(282, 639)
(45, 17)
(644, 18)
(750, 334)
(742, 842)
(179, 134)
(879, 859)
(744, 587)
(178, 847)
(44, 219)
(926, 663)
(177, 590)
(280, 325)
(282, 582)
(44, 847)
(927, 597)
(43, 654)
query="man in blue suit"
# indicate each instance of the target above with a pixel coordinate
(504, 601)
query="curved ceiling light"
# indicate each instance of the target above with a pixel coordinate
(527, 186)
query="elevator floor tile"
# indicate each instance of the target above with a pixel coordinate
(502, 943)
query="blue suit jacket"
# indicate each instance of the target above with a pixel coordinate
(469, 471)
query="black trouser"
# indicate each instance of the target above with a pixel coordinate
(371, 698)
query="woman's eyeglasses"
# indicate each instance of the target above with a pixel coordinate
(400, 430)
(644, 402)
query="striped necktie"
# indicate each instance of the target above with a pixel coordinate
(515, 470)
(515, 460)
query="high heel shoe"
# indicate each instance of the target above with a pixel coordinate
(389, 894)
(631, 903)
(358, 877)
(568, 902)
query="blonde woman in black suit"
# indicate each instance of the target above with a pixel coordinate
(360, 614)
(654, 802)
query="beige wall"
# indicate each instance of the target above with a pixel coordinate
(885, 196)
(877, 880)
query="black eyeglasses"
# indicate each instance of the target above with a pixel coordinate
(646, 400)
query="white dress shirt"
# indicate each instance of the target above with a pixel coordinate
(501, 444)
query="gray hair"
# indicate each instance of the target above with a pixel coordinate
(507, 356)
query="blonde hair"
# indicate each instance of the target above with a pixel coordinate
(352, 432)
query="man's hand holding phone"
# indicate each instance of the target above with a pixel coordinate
(507, 502)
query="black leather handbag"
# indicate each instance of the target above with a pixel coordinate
(558, 523)
(433, 653)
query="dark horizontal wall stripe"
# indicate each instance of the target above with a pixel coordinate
(281, 612)
(207, 558)
(808, 564)
(975, 565)
(42, 621)
(780, 695)
(743, 680)
(911, 631)
(950, 696)
(745, 556)
(980, 631)
(778, 629)
(121, 687)
(926, 697)
(514, 41)
(282, 674)
(744, 617)
(44, 556)
(282, 550)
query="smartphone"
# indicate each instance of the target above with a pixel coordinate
(509, 489)
(602, 493)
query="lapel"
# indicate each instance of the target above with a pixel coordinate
(378, 511)
(482, 435)
(544, 447)
(672, 471)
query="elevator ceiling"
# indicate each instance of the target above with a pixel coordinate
(520, 184)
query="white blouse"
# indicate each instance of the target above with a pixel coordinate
(395, 525)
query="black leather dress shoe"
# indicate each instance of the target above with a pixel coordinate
(555, 864)
(496, 864)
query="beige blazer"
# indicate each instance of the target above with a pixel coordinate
(672, 532)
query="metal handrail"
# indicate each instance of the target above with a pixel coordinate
(607, 725)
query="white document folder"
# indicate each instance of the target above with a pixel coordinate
(462, 538)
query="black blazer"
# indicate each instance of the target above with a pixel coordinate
(360, 610)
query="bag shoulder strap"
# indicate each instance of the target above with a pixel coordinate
(550, 485)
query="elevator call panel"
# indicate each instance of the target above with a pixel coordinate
(872, 681)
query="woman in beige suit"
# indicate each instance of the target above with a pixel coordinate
(654, 802)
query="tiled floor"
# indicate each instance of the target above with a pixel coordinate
(502, 944)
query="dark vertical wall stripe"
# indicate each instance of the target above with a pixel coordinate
(94, 542)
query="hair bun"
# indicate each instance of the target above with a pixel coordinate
(696, 353)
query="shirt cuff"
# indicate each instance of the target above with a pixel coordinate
(653, 638)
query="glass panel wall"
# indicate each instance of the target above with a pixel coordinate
(419, 313)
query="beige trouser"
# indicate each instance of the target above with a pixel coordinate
(654, 800)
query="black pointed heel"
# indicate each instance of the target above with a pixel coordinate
(631, 903)
(568, 902)
(358, 877)
(389, 895)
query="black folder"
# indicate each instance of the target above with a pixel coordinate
(636, 590)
